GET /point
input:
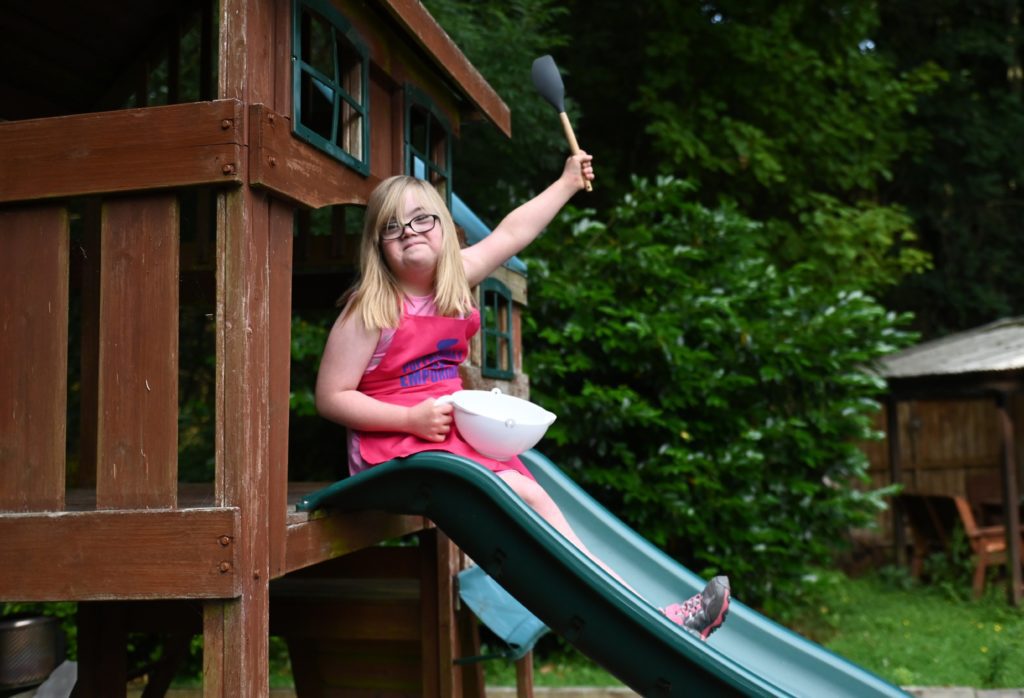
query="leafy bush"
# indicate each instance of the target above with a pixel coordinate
(710, 398)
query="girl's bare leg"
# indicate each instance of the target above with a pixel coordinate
(542, 503)
(701, 614)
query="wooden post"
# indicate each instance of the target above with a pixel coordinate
(1011, 500)
(892, 420)
(281, 216)
(236, 632)
(524, 676)
(33, 357)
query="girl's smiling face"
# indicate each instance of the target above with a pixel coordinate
(412, 257)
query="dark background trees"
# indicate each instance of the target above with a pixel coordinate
(776, 182)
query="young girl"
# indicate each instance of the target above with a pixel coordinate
(405, 329)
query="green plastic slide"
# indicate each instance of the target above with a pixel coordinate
(628, 636)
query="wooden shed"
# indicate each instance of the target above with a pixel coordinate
(175, 178)
(953, 421)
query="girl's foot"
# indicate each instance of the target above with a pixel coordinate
(702, 613)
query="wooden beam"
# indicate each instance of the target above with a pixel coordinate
(33, 357)
(347, 619)
(137, 430)
(125, 150)
(295, 170)
(330, 535)
(136, 554)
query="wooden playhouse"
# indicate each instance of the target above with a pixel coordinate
(175, 179)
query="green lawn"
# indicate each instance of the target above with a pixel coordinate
(908, 633)
(925, 635)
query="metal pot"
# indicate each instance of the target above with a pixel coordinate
(31, 647)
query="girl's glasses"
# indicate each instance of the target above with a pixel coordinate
(422, 223)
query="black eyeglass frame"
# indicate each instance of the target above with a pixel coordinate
(416, 224)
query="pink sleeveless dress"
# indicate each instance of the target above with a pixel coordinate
(421, 362)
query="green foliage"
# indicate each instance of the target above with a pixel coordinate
(799, 121)
(316, 447)
(501, 38)
(914, 634)
(308, 341)
(711, 398)
(964, 188)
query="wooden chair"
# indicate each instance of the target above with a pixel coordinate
(985, 495)
(933, 520)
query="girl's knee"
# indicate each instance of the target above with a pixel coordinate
(531, 493)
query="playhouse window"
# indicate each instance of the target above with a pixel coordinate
(331, 78)
(428, 142)
(496, 330)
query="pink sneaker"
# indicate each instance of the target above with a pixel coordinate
(702, 613)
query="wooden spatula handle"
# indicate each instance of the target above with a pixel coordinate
(573, 145)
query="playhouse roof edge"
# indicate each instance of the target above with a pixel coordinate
(432, 38)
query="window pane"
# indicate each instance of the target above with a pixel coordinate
(350, 130)
(491, 352)
(419, 120)
(318, 46)
(439, 148)
(503, 353)
(317, 106)
(190, 65)
(350, 68)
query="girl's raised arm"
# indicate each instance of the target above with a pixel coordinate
(520, 227)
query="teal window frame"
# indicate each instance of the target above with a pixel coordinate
(494, 295)
(421, 164)
(340, 96)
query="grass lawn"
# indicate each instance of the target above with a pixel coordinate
(908, 633)
(924, 635)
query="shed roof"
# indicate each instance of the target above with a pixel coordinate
(995, 347)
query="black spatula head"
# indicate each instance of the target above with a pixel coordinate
(548, 82)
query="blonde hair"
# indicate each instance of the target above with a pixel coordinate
(377, 294)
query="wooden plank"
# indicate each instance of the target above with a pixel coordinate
(432, 670)
(331, 535)
(295, 170)
(33, 357)
(125, 150)
(134, 554)
(447, 567)
(280, 257)
(414, 18)
(347, 619)
(137, 433)
(215, 644)
(355, 669)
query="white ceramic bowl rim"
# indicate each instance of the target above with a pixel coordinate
(496, 405)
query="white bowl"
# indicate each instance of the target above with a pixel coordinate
(499, 426)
